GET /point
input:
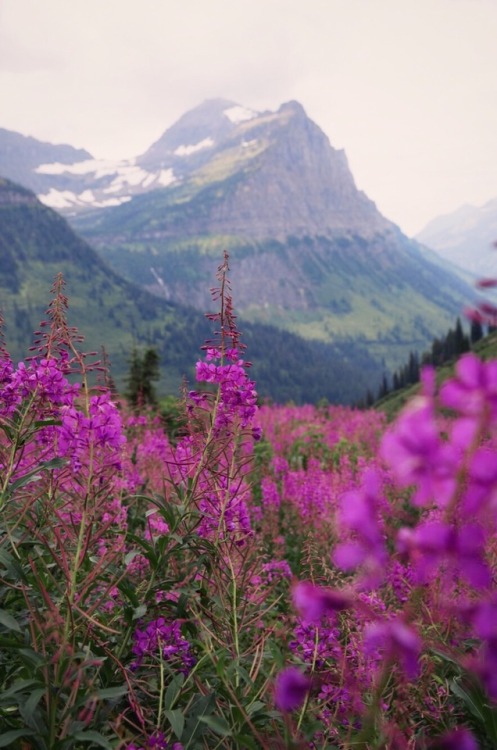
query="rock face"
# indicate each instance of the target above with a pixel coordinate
(310, 253)
(291, 181)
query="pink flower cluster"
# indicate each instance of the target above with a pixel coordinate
(444, 556)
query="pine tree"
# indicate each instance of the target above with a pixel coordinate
(476, 331)
(143, 370)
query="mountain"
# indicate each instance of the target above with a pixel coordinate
(36, 244)
(71, 180)
(466, 238)
(311, 252)
(21, 155)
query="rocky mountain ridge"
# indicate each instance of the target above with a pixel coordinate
(310, 252)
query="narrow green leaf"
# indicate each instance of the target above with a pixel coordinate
(254, 707)
(468, 700)
(7, 738)
(113, 692)
(31, 657)
(34, 475)
(96, 737)
(173, 690)
(28, 709)
(194, 726)
(21, 686)
(177, 721)
(248, 743)
(47, 422)
(218, 724)
(8, 621)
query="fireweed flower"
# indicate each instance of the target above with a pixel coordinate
(459, 739)
(238, 397)
(396, 641)
(417, 456)
(480, 490)
(290, 689)
(359, 515)
(162, 639)
(313, 603)
(474, 389)
(433, 544)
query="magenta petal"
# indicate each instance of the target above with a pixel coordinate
(459, 739)
(313, 603)
(290, 689)
(348, 555)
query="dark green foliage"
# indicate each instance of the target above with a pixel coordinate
(144, 370)
(443, 350)
(476, 331)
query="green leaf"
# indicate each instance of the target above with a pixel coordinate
(140, 611)
(34, 475)
(7, 738)
(218, 724)
(468, 699)
(113, 692)
(28, 709)
(173, 690)
(177, 721)
(9, 622)
(194, 725)
(31, 658)
(21, 686)
(96, 737)
(247, 742)
(47, 423)
(254, 707)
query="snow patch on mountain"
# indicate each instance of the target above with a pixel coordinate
(59, 198)
(239, 114)
(67, 199)
(99, 167)
(187, 150)
(166, 177)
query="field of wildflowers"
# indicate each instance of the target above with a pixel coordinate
(264, 577)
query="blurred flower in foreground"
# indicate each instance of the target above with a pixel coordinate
(290, 689)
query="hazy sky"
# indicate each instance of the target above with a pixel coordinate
(407, 87)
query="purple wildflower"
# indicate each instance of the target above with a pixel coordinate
(458, 739)
(397, 641)
(358, 515)
(160, 638)
(290, 689)
(313, 603)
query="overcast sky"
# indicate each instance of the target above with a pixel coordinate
(407, 87)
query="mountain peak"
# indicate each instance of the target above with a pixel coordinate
(198, 129)
(294, 107)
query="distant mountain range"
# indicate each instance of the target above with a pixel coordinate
(466, 238)
(36, 244)
(310, 253)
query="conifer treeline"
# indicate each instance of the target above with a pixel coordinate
(443, 350)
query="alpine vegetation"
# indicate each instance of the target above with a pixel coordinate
(260, 576)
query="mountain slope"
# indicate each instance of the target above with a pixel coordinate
(20, 156)
(311, 253)
(466, 237)
(36, 244)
